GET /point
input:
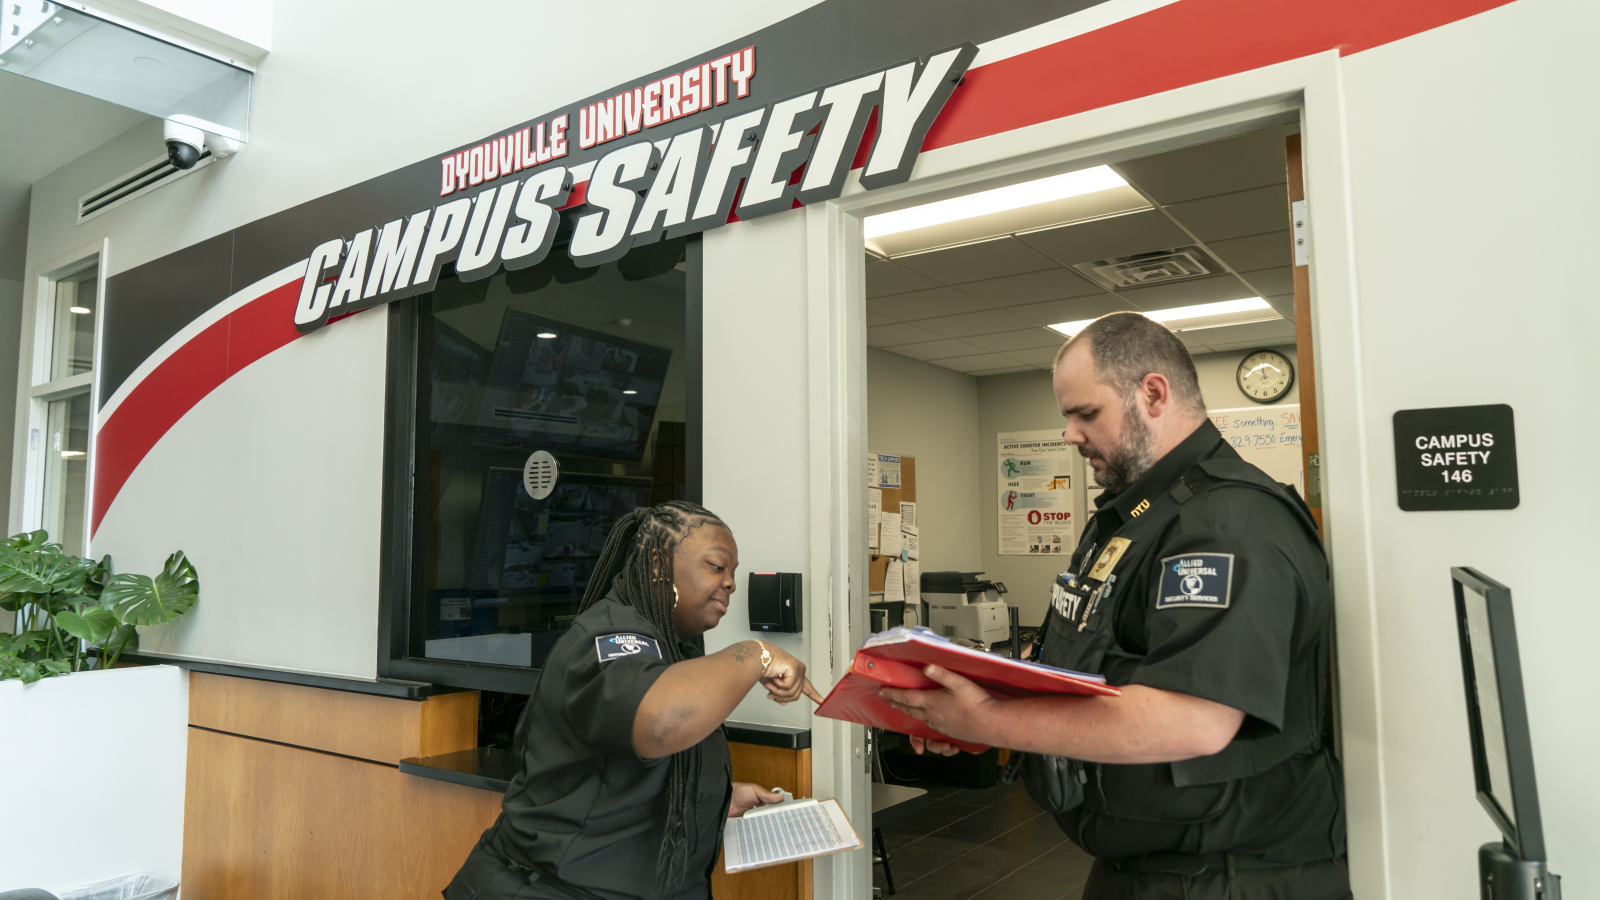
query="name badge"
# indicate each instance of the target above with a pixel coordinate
(1196, 579)
(1109, 558)
(622, 646)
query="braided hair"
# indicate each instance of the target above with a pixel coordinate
(636, 562)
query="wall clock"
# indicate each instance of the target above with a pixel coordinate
(1265, 376)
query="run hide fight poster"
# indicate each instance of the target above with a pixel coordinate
(1035, 506)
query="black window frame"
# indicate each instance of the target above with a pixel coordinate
(395, 575)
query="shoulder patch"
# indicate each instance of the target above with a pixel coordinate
(1196, 579)
(622, 646)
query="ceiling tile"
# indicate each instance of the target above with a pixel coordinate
(976, 363)
(932, 350)
(1070, 310)
(1186, 293)
(1259, 251)
(876, 319)
(1271, 281)
(1011, 371)
(1026, 339)
(1284, 304)
(1229, 337)
(941, 301)
(884, 277)
(1234, 215)
(1042, 356)
(1033, 287)
(974, 323)
(1106, 238)
(1217, 167)
(976, 262)
(890, 335)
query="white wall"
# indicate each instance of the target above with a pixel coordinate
(100, 756)
(1477, 325)
(931, 413)
(10, 349)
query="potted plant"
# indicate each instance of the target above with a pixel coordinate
(72, 614)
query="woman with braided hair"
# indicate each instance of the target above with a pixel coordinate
(625, 776)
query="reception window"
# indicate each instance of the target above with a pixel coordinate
(592, 368)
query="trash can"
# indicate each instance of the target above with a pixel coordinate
(128, 887)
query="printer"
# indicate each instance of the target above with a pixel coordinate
(964, 605)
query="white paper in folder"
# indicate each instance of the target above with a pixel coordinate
(785, 832)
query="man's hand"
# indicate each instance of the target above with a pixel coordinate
(957, 708)
(922, 745)
(747, 796)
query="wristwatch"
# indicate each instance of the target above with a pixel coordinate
(766, 657)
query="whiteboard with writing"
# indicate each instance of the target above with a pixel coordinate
(1268, 437)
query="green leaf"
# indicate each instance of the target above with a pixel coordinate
(142, 600)
(28, 672)
(94, 624)
(55, 666)
(40, 572)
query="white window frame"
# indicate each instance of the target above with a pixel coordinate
(36, 391)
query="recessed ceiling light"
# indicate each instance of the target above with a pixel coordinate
(547, 335)
(1183, 313)
(1014, 196)
(630, 392)
(79, 310)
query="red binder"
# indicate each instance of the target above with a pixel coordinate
(896, 659)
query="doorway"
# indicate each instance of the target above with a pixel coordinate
(968, 300)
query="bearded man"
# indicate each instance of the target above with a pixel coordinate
(1200, 589)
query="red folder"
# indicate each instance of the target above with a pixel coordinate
(898, 663)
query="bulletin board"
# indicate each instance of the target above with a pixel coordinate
(892, 498)
(1268, 437)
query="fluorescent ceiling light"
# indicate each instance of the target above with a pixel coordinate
(78, 310)
(1182, 313)
(983, 203)
(547, 335)
(73, 454)
(630, 392)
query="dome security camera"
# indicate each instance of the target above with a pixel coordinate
(184, 143)
(188, 139)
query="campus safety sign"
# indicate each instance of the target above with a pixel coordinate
(678, 168)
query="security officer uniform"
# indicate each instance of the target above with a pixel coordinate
(584, 817)
(1206, 578)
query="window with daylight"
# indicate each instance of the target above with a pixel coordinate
(591, 367)
(59, 411)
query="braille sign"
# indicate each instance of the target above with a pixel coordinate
(1456, 457)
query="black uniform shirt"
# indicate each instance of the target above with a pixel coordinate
(1228, 601)
(585, 807)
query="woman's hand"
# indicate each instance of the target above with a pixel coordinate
(747, 796)
(785, 679)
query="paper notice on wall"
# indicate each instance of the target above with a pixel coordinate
(911, 538)
(874, 516)
(1267, 437)
(894, 581)
(1035, 505)
(913, 574)
(908, 514)
(888, 472)
(889, 538)
(872, 470)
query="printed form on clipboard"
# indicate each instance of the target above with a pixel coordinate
(786, 832)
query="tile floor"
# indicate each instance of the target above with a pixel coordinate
(992, 843)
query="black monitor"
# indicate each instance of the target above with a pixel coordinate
(1497, 713)
(571, 390)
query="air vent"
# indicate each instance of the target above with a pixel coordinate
(1143, 269)
(154, 174)
(539, 474)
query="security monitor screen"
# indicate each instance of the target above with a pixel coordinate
(568, 389)
(1487, 688)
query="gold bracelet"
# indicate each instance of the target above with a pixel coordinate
(766, 657)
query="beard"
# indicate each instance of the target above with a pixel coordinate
(1129, 459)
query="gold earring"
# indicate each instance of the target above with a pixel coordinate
(674, 598)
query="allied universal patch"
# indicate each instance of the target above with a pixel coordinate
(622, 646)
(1196, 579)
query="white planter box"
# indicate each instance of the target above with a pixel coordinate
(94, 762)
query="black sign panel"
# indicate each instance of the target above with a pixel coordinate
(1456, 457)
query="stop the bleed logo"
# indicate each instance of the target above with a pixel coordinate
(1036, 517)
(792, 152)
